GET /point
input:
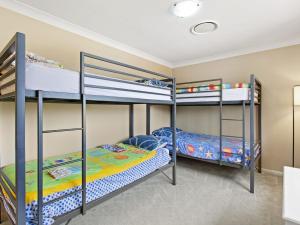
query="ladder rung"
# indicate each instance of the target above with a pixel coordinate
(62, 164)
(230, 136)
(232, 119)
(61, 130)
(62, 197)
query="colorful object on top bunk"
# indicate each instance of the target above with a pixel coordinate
(100, 163)
(35, 58)
(165, 132)
(209, 87)
(206, 146)
(148, 142)
(32, 58)
(242, 85)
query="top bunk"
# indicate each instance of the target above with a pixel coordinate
(100, 80)
(216, 92)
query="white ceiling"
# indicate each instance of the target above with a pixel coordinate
(148, 26)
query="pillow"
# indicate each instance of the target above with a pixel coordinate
(165, 132)
(148, 142)
(154, 82)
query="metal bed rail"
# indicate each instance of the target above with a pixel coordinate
(210, 95)
(15, 51)
(131, 78)
(255, 128)
(7, 67)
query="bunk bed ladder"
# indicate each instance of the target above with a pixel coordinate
(42, 168)
(243, 137)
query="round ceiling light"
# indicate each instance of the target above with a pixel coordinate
(204, 27)
(186, 8)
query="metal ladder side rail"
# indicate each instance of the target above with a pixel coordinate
(83, 133)
(40, 166)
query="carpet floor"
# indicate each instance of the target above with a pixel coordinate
(205, 194)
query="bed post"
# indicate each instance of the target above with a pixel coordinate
(20, 128)
(244, 132)
(252, 133)
(40, 156)
(83, 133)
(148, 119)
(221, 122)
(173, 124)
(131, 120)
(260, 128)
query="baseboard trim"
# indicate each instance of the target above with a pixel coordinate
(272, 172)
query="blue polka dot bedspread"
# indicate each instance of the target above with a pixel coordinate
(95, 190)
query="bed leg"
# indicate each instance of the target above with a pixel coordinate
(252, 174)
(174, 175)
(259, 165)
(68, 222)
(0, 213)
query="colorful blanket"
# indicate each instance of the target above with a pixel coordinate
(100, 163)
(206, 146)
(95, 189)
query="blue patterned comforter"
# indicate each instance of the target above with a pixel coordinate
(206, 146)
(95, 189)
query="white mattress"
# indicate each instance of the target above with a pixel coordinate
(234, 94)
(40, 77)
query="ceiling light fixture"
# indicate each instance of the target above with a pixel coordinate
(186, 8)
(204, 27)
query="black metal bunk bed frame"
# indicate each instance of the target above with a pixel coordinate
(16, 193)
(255, 133)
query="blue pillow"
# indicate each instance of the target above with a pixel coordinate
(165, 132)
(148, 142)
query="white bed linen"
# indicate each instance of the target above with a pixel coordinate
(40, 77)
(234, 94)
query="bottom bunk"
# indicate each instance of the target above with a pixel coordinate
(207, 147)
(109, 168)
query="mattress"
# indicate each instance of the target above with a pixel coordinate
(45, 78)
(233, 94)
(116, 164)
(206, 146)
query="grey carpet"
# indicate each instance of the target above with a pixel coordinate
(206, 194)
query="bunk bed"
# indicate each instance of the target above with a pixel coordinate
(23, 81)
(223, 149)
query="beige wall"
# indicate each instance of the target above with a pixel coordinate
(278, 71)
(106, 124)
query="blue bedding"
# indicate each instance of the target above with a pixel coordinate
(95, 189)
(206, 146)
